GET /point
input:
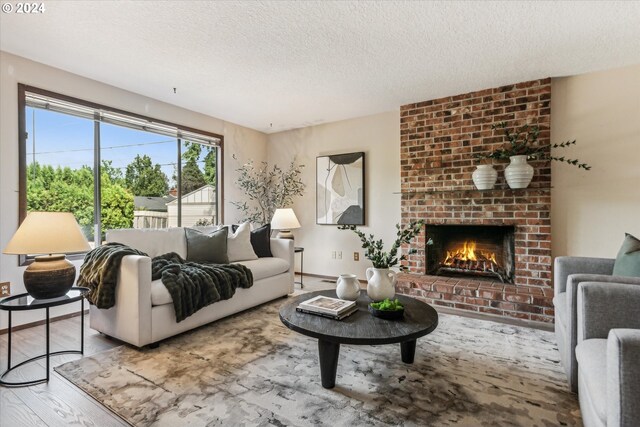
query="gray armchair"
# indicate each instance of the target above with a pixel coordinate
(608, 354)
(569, 272)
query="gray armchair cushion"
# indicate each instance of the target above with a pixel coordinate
(571, 321)
(566, 265)
(592, 360)
(606, 306)
(623, 377)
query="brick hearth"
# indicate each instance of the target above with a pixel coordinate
(438, 141)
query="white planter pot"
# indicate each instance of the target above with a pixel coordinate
(484, 177)
(381, 283)
(518, 173)
(348, 287)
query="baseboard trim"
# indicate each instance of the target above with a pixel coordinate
(320, 276)
(42, 322)
(543, 326)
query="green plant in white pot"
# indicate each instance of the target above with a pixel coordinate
(381, 280)
(523, 145)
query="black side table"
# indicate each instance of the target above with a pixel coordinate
(300, 250)
(23, 302)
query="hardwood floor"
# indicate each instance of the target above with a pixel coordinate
(58, 402)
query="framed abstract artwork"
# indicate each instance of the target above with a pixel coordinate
(340, 189)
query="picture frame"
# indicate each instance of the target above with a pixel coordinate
(340, 189)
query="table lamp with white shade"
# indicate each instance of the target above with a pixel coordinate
(52, 233)
(284, 220)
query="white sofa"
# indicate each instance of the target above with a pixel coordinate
(143, 313)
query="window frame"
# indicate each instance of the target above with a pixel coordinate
(22, 154)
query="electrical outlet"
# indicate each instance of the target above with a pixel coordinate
(339, 254)
(356, 256)
(333, 254)
(5, 289)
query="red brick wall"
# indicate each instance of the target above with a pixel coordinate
(438, 141)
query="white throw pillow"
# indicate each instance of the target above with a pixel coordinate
(239, 246)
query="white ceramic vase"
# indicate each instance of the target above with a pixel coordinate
(381, 283)
(518, 173)
(484, 177)
(348, 287)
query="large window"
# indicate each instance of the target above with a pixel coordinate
(112, 169)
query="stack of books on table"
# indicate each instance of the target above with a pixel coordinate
(333, 308)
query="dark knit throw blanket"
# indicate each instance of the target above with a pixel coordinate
(99, 272)
(194, 285)
(191, 285)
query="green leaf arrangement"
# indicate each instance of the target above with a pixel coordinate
(388, 305)
(523, 142)
(374, 249)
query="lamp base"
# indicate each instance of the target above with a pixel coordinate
(50, 276)
(285, 234)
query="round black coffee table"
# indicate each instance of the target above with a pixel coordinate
(361, 328)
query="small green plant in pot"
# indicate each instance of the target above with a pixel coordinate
(522, 145)
(381, 280)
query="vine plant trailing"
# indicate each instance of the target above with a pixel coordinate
(374, 249)
(523, 142)
(267, 189)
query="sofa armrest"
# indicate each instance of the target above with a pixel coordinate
(623, 377)
(283, 248)
(566, 265)
(130, 318)
(606, 306)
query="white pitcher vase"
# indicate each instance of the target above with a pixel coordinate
(519, 173)
(348, 287)
(484, 177)
(381, 283)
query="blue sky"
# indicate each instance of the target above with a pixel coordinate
(64, 140)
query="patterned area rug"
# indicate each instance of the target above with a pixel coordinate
(251, 370)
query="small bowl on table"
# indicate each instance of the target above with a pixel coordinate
(386, 314)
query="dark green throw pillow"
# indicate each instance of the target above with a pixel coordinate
(207, 247)
(628, 259)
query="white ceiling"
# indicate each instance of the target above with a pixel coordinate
(296, 64)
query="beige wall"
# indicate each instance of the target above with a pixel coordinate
(591, 211)
(379, 137)
(244, 143)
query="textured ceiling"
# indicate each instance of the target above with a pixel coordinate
(296, 64)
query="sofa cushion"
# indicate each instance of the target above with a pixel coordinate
(151, 241)
(260, 240)
(239, 246)
(207, 247)
(628, 259)
(592, 364)
(261, 269)
(266, 267)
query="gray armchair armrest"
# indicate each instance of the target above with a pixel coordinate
(623, 377)
(606, 306)
(566, 265)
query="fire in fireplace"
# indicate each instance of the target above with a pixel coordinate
(473, 250)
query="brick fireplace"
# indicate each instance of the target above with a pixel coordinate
(491, 249)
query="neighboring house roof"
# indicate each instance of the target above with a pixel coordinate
(158, 204)
(203, 195)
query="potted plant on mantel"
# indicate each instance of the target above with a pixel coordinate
(381, 281)
(522, 145)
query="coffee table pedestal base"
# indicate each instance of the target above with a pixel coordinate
(408, 351)
(328, 352)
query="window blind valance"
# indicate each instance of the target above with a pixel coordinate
(45, 102)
